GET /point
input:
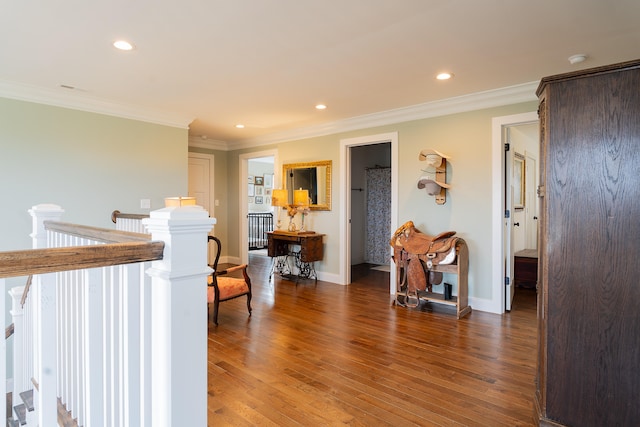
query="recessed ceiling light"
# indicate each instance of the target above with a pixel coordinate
(122, 45)
(576, 59)
(321, 107)
(444, 76)
(240, 126)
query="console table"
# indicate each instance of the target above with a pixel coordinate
(311, 250)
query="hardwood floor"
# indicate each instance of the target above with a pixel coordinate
(315, 354)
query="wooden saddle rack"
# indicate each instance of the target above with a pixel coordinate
(421, 260)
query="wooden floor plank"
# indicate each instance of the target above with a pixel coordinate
(316, 353)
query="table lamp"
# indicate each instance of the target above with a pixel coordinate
(279, 198)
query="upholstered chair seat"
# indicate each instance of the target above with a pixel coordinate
(222, 287)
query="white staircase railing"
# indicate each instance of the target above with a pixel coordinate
(119, 343)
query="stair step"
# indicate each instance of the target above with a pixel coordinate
(21, 413)
(27, 398)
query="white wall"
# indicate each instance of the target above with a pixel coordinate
(260, 168)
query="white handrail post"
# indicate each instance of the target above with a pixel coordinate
(179, 316)
(45, 371)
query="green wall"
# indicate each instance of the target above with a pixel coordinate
(89, 164)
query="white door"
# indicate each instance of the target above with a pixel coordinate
(200, 180)
(201, 183)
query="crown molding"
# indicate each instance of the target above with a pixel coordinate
(77, 101)
(476, 101)
(209, 144)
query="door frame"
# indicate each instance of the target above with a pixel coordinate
(243, 204)
(498, 291)
(345, 198)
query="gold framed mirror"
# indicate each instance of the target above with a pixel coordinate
(312, 176)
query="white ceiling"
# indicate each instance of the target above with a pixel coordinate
(210, 64)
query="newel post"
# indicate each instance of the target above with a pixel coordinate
(44, 299)
(179, 316)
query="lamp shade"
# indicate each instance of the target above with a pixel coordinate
(279, 198)
(170, 202)
(301, 197)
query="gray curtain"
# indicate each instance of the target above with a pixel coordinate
(378, 222)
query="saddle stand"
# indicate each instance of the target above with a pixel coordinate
(422, 259)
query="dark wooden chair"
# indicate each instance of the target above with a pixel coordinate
(223, 288)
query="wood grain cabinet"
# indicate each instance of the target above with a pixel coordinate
(588, 370)
(525, 271)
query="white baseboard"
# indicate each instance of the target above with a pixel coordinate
(482, 304)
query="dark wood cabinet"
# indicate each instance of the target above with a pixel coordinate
(525, 270)
(588, 370)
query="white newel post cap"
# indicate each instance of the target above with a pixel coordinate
(184, 231)
(39, 214)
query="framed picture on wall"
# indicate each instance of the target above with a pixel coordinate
(250, 179)
(251, 192)
(518, 181)
(267, 191)
(259, 190)
(259, 180)
(251, 200)
(258, 200)
(268, 180)
(267, 200)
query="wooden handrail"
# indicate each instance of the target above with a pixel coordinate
(8, 331)
(40, 261)
(104, 235)
(25, 293)
(117, 214)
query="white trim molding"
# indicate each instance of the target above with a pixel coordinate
(74, 100)
(475, 101)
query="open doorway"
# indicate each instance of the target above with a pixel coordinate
(351, 209)
(520, 205)
(256, 170)
(371, 205)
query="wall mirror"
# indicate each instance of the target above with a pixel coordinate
(312, 176)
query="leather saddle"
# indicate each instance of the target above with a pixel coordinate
(416, 253)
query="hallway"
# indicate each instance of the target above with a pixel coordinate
(325, 354)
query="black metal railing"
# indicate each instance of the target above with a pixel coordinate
(259, 224)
